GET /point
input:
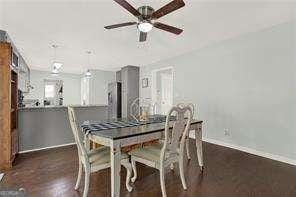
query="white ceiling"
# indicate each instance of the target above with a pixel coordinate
(77, 26)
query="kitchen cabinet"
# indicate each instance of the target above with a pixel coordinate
(18, 63)
(8, 107)
(24, 76)
(130, 88)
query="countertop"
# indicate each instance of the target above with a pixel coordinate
(62, 107)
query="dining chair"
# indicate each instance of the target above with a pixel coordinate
(187, 137)
(95, 159)
(171, 150)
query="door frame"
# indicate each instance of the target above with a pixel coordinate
(154, 82)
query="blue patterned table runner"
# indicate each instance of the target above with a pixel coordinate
(91, 126)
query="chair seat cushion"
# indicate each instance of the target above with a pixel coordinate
(151, 153)
(101, 155)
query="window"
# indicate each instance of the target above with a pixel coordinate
(49, 91)
(53, 92)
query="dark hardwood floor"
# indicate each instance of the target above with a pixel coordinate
(227, 173)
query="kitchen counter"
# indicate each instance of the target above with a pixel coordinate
(62, 106)
(46, 127)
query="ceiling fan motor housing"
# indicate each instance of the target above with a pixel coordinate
(146, 12)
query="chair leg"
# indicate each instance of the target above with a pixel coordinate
(86, 181)
(134, 170)
(162, 183)
(128, 168)
(187, 148)
(79, 176)
(181, 168)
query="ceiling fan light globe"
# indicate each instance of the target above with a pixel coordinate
(145, 27)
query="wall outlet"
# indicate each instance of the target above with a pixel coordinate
(226, 132)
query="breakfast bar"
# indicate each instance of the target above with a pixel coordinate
(46, 127)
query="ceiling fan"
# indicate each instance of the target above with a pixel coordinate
(146, 18)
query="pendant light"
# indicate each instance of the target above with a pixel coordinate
(56, 66)
(88, 73)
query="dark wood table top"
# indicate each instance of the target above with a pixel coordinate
(126, 132)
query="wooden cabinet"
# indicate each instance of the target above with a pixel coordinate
(23, 76)
(18, 60)
(8, 108)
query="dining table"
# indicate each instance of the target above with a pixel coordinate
(121, 133)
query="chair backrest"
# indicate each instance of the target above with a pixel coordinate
(175, 138)
(188, 104)
(82, 153)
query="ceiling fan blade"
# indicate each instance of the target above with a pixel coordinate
(168, 8)
(168, 28)
(128, 7)
(143, 36)
(120, 25)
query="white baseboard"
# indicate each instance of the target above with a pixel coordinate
(247, 150)
(44, 148)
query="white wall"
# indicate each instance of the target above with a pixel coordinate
(246, 85)
(71, 86)
(98, 86)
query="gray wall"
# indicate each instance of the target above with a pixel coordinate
(71, 83)
(46, 127)
(98, 86)
(246, 85)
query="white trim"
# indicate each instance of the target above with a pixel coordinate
(45, 148)
(153, 82)
(163, 68)
(247, 150)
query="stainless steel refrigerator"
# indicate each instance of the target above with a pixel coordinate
(114, 100)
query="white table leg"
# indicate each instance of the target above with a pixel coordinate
(115, 169)
(198, 142)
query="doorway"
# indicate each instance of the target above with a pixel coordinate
(162, 90)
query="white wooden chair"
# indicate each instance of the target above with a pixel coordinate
(94, 160)
(170, 151)
(187, 137)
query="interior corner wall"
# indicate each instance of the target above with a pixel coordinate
(245, 84)
(98, 86)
